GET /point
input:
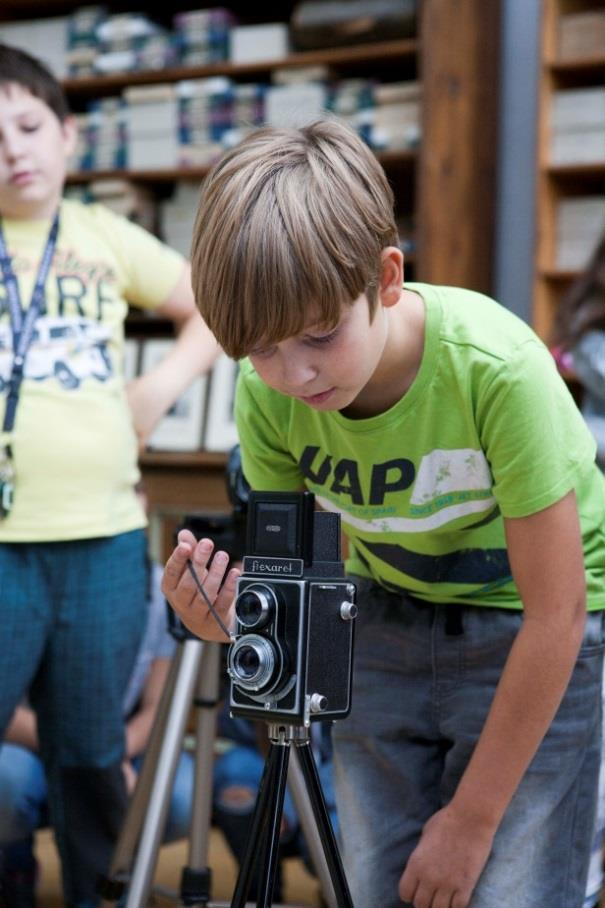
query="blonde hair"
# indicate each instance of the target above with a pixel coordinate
(291, 224)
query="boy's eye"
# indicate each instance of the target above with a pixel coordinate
(319, 339)
(29, 127)
(262, 352)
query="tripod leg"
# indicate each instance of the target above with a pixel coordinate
(326, 833)
(196, 877)
(268, 867)
(268, 804)
(142, 876)
(111, 888)
(300, 796)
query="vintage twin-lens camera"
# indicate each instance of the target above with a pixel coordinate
(292, 660)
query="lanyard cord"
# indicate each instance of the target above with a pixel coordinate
(23, 321)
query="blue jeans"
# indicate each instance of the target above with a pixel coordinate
(24, 793)
(71, 618)
(424, 680)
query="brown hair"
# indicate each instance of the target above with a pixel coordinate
(582, 308)
(20, 68)
(291, 224)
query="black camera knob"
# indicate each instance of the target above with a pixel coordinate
(318, 703)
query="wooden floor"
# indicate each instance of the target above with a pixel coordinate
(301, 889)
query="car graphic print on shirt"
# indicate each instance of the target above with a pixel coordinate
(68, 349)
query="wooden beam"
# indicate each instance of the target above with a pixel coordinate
(460, 44)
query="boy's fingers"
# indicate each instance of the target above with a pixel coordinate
(187, 537)
(175, 567)
(216, 573)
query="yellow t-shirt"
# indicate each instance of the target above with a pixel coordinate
(74, 447)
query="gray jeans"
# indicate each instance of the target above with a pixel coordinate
(424, 680)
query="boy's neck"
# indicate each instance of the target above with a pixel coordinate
(34, 212)
(400, 361)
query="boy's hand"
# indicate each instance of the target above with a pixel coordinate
(178, 586)
(443, 869)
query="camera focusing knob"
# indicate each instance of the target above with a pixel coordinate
(348, 611)
(317, 703)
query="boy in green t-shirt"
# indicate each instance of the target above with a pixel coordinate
(434, 422)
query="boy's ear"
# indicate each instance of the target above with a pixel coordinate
(391, 276)
(69, 128)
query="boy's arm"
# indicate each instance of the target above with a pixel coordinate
(545, 553)
(23, 729)
(194, 353)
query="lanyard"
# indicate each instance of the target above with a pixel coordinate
(23, 321)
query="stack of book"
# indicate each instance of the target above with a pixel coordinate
(45, 39)
(177, 217)
(204, 115)
(152, 126)
(251, 43)
(581, 35)
(82, 39)
(130, 41)
(202, 35)
(578, 126)
(580, 225)
(213, 115)
(192, 122)
(103, 129)
(396, 121)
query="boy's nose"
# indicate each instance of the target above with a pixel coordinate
(12, 152)
(13, 146)
(297, 373)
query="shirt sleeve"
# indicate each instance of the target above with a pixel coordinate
(150, 268)
(532, 432)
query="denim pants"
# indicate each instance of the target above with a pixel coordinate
(424, 680)
(24, 793)
(71, 618)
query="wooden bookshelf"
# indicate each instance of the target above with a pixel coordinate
(556, 182)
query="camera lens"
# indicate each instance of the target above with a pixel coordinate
(252, 662)
(255, 606)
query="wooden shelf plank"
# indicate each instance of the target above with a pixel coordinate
(558, 275)
(189, 459)
(579, 63)
(578, 72)
(404, 48)
(578, 176)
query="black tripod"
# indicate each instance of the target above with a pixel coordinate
(263, 841)
(194, 679)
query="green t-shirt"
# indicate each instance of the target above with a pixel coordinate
(74, 444)
(487, 429)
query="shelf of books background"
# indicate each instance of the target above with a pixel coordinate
(570, 207)
(157, 102)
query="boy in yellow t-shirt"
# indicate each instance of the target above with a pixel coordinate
(433, 421)
(72, 541)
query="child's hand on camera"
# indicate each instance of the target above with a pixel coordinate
(179, 587)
